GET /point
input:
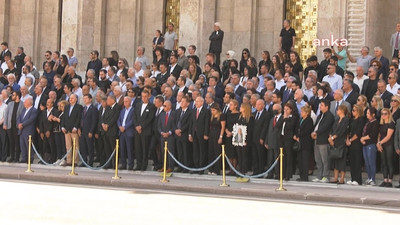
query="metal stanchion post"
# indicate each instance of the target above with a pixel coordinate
(72, 173)
(115, 177)
(164, 180)
(281, 172)
(29, 154)
(223, 169)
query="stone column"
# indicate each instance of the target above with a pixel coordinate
(4, 16)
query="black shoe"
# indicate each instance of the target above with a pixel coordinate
(389, 184)
(10, 160)
(398, 186)
(130, 167)
(23, 161)
(383, 184)
(16, 160)
(122, 167)
(40, 162)
(137, 168)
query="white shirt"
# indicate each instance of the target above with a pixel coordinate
(24, 97)
(21, 81)
(360, 81)
(308, 92)
(4, 66)
(334, 80)
(393, 89)
(126, 115)
(144, 105)
(27, 110)
(171, 68)
(48, 112)
(78, 92)
(37, 101)
(139, 73)
(279, 84)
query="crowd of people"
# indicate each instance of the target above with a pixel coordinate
(323, 116)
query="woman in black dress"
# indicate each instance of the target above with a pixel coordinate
(62, 68)
(266, 60)
(385, 146)
(303, 135)
(216, 133)
(337, 138)
(355, 147)
(158, 42)
(287, 128)
(243, 62)
(246, 120)
(231, 119)
(252, 67)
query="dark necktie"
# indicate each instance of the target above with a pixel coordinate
(275, 119)
(166, 119)
(84, 111)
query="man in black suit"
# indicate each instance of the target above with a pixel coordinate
(182, 120)
(385, 95)
(46, 126)
(126, 134)
(88, 129)
(199, 129)
(271, 140)
(219, 91)
(154, 147)
(227, 99)
(261, 120)
(322, 128)
(181, 86)
(39, 98)
(69, 125)
(239, 90)
(349, 94)
(369, 87)
(216, 38)
(100, 133)
(110, 127)
(162, 77)
(166, 129)
(143, 118)
(174, 69)
(5, 51)
(26, 126)
(19, 58)
(286, 91)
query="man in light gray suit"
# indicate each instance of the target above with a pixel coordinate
(395, 41)
(338, 100)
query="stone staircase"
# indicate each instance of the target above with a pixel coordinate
(356, 24)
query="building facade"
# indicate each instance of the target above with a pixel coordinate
(122, 25)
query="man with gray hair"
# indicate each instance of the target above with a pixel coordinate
(364, 60)
(142, 58)
(338, 100)
(26, 126)
(383, 60)
(216, 38)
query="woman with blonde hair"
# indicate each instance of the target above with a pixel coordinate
(363, 103)
(216, 134)
(394, 107)
(385, 146)
(355, 146)
(245, 120)
(377, 103)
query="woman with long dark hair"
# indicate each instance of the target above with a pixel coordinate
(158, 42)
(216, 134)
(231, 119)
(252, 67)
(243, 61)
(265, 60)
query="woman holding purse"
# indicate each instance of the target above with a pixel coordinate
(337, 139)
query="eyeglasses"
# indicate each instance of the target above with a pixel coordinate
(394, 101)
(244, 53)
(391, 78)
(353, 110)
(46, 55)
(385, 114)
(164, 106)
(374, 65)
(359, 100)
(130, 91)
(119, 62)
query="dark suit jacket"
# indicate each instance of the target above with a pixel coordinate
(352, 98)
(111, 116)
(183, 122)
(240, 91)
(185, 91)
(169, 127)
(28, 122)
(69, 122)
(177, 71)
(145, 120)
(260, 126)
(284, 97)
(386, 98)
(200, 126)
(324, 127)
(304, 133)
(44, 123)
(272, 137)
(129, 129)
(162, 78)
(89, 120)
(216, 41)
(42, 101)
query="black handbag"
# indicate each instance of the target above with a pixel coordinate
(336, 152)
(296, 146)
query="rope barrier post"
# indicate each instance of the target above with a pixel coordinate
(281, 172)
(164, 180)
(223, 169)
(116, 177)
(29, 170)
(72, 173)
